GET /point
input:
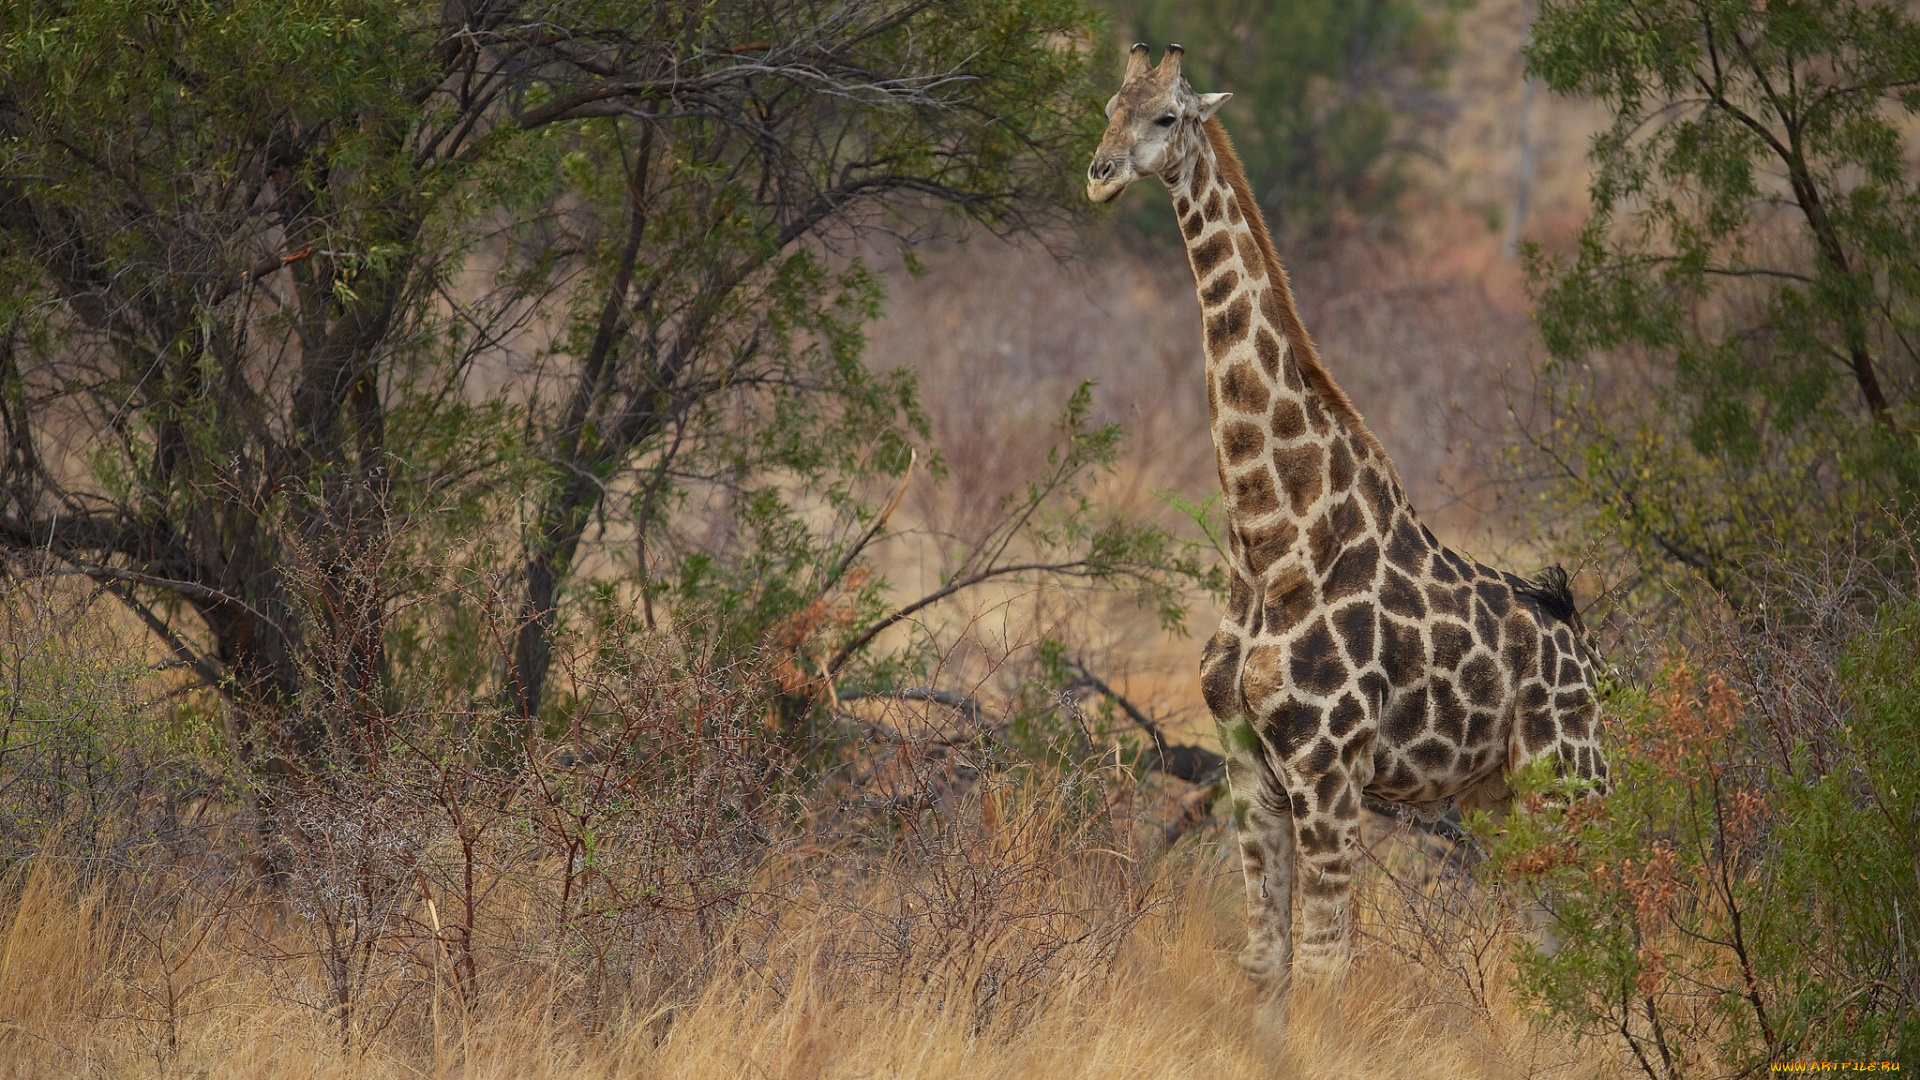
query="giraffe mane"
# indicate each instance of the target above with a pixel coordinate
(1308, 357)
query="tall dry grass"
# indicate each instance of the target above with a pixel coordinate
(83, 994)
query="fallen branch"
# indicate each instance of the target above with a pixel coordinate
(967, 707)
(1194, 764)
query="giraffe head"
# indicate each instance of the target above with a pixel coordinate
(1153, 124)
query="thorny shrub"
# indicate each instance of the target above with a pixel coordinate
(987, 852)
(619, 857)
(1021, 889)
(80, 751)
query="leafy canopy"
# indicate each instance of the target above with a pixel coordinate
(1732, 345)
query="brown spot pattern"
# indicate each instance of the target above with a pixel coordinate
(1373, 488)
(1266, 546)
(1268, 347)
(1347, 521)
(1225, 329)
(1221, 288)
(1481, 681)
(1302, 470)
(1270, 308)
(1404, 549)
(1210, 253)
(1289, 422)
(1220, 674)
(1340, 467)
(1449, 712)
(1451, 642)
(1401, 597)
(1261, 679)
(1239, 598)
(1240, 440)
(1314, 661)
(1406, 719)
(1320, 546)
(1242, 390)
(1317, 415)
(1402, 654)
(1354, 624)
(1352, 573)
(1289, 599)
(1251, 258)
(1253, 493)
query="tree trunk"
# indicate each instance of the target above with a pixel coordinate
(549, 559)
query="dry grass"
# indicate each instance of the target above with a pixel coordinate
(78, 998)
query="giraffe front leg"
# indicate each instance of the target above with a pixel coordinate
(1329, 841)
(1261, 813)
(1264, 824)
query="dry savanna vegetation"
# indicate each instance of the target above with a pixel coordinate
(584, 538)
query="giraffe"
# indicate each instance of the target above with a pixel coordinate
(1357, 654)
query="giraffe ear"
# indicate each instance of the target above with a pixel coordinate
(1112, 104)
(1210, 104)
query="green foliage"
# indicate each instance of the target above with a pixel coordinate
(1057, 516)
(85, 754)
(1732, 375)
(307, 299)
(1741, 895)
(1325, 93)
(1732, 346)
(1849, 852)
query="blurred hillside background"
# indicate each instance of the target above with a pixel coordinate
(596, 538)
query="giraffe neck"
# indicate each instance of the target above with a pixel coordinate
(1296, 461)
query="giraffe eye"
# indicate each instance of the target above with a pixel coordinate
(1165, 121)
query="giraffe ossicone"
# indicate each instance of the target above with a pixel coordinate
(1357, 654)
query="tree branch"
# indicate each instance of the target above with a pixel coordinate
(173, 641)
(866, 636)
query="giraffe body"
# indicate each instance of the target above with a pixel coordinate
(1357, 654)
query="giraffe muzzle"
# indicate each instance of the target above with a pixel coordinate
(1107, 177)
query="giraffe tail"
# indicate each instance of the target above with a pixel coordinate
(1552, 589)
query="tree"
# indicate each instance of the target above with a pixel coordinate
(1732, 346)
(265, 264)
(220, 244)
(715, 348)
